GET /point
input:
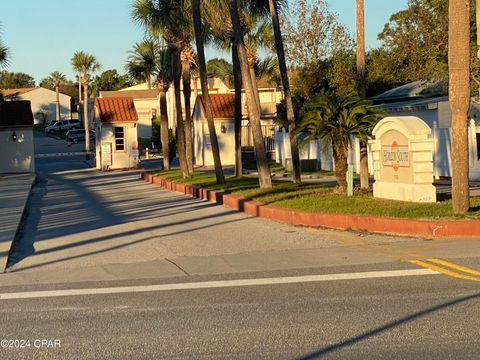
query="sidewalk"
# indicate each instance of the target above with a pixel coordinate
(87, 225)
(14, 194)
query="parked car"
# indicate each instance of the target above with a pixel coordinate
(62, 125)
(78, 135)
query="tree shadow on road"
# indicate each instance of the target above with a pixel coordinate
(378, 330)
(67, 205)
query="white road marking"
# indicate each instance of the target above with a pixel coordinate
(72, 153)
(218, 284)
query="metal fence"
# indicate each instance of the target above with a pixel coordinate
(268, 133)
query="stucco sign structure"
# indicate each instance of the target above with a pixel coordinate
(403, 160)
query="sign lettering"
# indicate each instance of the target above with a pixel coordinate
(395, 156)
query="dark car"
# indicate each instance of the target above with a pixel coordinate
(78, 135)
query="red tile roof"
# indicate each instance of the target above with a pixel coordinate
(116, 109)
(223, 105)
(15, 113)
(15, 92)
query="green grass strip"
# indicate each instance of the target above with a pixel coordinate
(319, 197)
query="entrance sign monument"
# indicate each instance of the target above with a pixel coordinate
(403, 160)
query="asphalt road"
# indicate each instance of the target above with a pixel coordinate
(427, 317)
(48, 144)
(154, 312)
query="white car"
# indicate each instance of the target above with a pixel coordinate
(62, 125)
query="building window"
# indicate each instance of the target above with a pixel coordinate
(119, 138)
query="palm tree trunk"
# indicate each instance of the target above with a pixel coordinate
(459, 97)
(57, 95)
(361, 86)
(251, 69)
(477, 23)
(202, 67)
(86, 122)
(340, 156)
(264, 176)
(237, 83)
(187, 94)
(164, 127)
(195, 87)
(286, 91)
(360, 35)
(177, 74)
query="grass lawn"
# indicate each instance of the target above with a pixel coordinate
(276, 168)
(319, 198)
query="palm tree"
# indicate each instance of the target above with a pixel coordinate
(361, 85)
(164, 76)
(197, 20)
(141, 61)
(267, 69)
(84, 64)
(238, 85)
(335, 120)
(230, 73)
(3, 54)
(170, 19)
(57, 78)
(223, 36)
(3, 59)
(148, 58)
(257, 34)
(273, 8)
(459, 97)
(222, 69)
(264, 176)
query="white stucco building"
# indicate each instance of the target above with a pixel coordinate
(16, 137)
(147, 102)
(116, 134)
(223, 108)
(43, 102)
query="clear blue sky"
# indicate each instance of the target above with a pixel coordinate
(42, 35)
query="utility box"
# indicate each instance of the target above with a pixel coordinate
(116, 134)
(403, 160)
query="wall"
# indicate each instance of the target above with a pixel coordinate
(442, 156)
(442, 161)
(17, 156)
(44, 98)
(144, 111)
(203, 155)
(121, 159)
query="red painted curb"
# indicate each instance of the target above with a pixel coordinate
(395, 226)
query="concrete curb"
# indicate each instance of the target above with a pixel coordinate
(384, 225)
(21, 221)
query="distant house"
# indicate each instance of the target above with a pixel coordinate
(223, 107)
(43, 102)
(146, 105)
(427, 100)
(147, 101)
(419, 89)
(16, 137)
(116, 142)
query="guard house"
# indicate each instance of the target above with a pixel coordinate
(116, 134)
(16, 137)
(223, 108)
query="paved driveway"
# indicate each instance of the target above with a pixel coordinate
(117, 226)
(85, 225)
